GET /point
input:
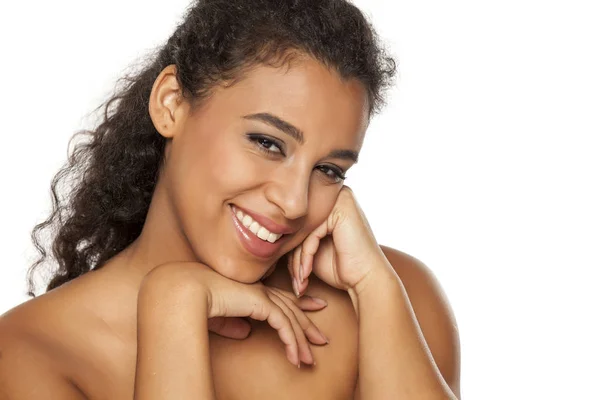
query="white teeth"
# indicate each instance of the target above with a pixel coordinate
(254, 227)
(247, 220)
(263, 233)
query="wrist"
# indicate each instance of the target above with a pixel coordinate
(381, 272)
(378, 281)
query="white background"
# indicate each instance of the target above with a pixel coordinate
(485, 164)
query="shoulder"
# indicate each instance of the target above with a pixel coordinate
(47, 341)
(429, 302)
(433, 312)
(29, 366)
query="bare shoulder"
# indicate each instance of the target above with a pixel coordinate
(433, 312)
(29, 366)
(337, 362)
(57, 343)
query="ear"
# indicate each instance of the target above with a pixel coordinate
(168, 109)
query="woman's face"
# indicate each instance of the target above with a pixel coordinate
(272, 146)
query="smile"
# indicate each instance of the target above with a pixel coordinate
(256, 228)
(255, 238)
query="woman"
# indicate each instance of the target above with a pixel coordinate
(211, 198)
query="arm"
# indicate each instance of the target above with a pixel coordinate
(401, 352)
(173, 358)
(417, 356)
(175, 302)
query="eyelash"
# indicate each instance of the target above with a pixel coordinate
(256, 139)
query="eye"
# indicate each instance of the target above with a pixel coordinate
(335, 174)
(272, 147)
(266, 145)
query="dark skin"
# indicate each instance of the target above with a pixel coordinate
(79, 341)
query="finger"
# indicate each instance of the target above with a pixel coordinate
(305, 303)
(265, 310)
(310, 303)
(295, 269)
(311, 331)
(310, 245)
(304, 273)
(303, 347)
(233, 328)
(290, 269)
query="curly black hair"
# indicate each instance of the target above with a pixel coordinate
(114, 172)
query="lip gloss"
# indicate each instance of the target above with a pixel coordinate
(252, 243)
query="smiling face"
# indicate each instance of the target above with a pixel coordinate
(274, 146)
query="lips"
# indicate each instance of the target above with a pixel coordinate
(252, 243)
(270, 225)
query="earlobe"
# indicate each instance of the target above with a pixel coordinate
(166, 103)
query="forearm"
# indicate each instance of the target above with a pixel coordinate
(173, 359)
(394, 359)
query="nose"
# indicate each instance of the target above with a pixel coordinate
(289, 192)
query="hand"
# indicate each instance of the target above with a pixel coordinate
(239, 328)
(342, 251)
(228, 298)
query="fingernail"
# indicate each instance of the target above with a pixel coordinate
(295, 287)
(324, 337)
(301, 274)
(319, 301)
(298, 365)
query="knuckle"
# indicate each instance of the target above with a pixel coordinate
(260, 310)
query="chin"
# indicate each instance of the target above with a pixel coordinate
(240, 271)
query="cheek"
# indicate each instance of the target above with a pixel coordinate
(320, 205)
(199, 173)
(229, 170)
(212, 164)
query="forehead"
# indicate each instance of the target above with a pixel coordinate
(306, 94)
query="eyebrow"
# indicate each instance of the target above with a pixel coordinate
(297, 134)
